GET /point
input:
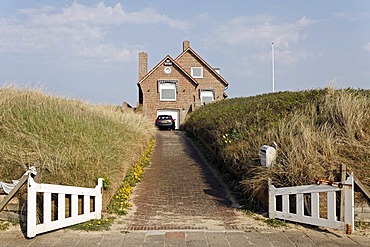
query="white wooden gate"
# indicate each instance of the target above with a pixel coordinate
(56, 213)
(292, 204)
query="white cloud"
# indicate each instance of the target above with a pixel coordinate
(352, 16)
(367, 46)
(33, 11)
(105, 52)
(286, 56)
(240, 30)
(104, 15)
(76, 30)
(254, 34)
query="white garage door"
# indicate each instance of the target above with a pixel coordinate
(173, 113)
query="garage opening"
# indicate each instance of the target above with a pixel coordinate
(174, 113)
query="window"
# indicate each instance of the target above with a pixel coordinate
(197, 72)
(167, 91)
(206, 96)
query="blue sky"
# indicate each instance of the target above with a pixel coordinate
(89, 49)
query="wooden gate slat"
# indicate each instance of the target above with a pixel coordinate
(75, 218)
(314, 215)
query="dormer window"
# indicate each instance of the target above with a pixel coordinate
(197, 72)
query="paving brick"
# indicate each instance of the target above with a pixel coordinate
(237, 239)
(360, 240)
(47, 239)
(277, 238)
(197, 243)
(89, 241)
(13, 240)
(341, 240)
(256, 238)
(321, 239)
(68, 239)
(299, 238)
(217, 239)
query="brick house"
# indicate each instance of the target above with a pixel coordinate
(178, 86)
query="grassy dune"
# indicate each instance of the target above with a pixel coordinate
(74, 141)
(315, 131)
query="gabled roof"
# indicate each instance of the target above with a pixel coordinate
(189, 49)
(175, 64)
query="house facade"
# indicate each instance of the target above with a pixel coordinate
(178, 86)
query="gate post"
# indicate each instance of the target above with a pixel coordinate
(31, 208)
(349, 205)
(272, 199)
(99, 199)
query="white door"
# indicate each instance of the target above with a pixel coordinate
(175, 115)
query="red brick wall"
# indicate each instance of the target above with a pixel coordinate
(209, 80)
(151, 96)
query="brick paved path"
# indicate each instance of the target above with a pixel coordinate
(179, 191)
(272, 238)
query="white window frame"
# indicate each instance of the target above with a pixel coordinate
(167, 86)
(206, 94)
(196, 76)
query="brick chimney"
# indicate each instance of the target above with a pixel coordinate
(143, 65)
(185, 45)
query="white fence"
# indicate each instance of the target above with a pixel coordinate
(50, 207)
(302, 204)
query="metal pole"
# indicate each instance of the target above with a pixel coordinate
(273, 67)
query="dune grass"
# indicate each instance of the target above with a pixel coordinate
(315, 141)
(315, 131)
(75, 142)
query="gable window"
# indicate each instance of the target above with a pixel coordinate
(206, 96)
(167, 91)
(197, 72)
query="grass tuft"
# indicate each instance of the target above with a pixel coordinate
(4, 225)
(276, 223)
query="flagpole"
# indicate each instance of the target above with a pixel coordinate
(273, 67)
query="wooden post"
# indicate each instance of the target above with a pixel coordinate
(31, 208)
(349, 215)
(272, 200)
(37, 178)
(343, 177)
(22, 181)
